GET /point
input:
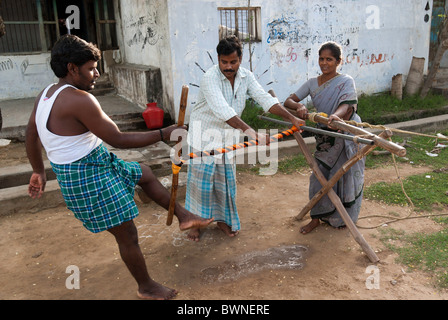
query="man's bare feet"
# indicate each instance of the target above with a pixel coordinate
(188, 220)
(194, 234)
(156, 291)
(310, 226)
(227, 230)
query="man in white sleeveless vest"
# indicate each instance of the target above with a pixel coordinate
(96, 185)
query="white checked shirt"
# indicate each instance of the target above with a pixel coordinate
(218, 102)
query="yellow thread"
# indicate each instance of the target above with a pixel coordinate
(175, 168)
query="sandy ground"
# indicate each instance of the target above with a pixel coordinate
(269, 259)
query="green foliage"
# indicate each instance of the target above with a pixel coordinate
(383, 108)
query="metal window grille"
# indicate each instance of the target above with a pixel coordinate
(31, 26)
(34, 26)
(243, 22)
(105, 25)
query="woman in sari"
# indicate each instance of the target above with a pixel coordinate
(334, 94)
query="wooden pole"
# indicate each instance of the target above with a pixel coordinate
(336, 201)
(322, 132)
(380, 142)
(335, 178)
(175, 181)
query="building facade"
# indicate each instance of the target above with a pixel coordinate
(153, 47)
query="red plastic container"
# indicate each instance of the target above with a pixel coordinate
(153, 116)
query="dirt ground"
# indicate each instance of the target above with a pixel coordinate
(268, 260)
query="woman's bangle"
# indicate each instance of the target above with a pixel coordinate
(161, 134)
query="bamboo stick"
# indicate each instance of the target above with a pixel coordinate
(175, 180)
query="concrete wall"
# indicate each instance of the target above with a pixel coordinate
(378, 39)
(24, 76)
(180, 36)
(144, 41)
(138, 83)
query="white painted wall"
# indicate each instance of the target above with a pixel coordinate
(379, 39)
(144, 39)
(24, 76)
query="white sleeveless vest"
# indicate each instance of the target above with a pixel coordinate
(61, 149)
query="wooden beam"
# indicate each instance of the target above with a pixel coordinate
(336, 201)
(335, 178)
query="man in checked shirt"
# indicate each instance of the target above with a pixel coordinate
(211, 186)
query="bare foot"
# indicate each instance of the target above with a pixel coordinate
(194, 234)
(156, 291)
(227, 230)
(310, 226)
(188, 220)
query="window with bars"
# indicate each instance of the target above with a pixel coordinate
(106, 35)
(35, 25)
(31, 26)
(244, 22)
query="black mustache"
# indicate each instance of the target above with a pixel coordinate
(228, 70)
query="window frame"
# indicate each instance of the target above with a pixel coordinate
(253, 28)
(42, 32)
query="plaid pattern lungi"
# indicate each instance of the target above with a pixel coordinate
(99, 189)
(211, 192)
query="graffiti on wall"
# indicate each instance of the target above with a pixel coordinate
(6, 65)
(297, 36)
(143, 32)
(296, 31)
(288, 29)
(364, 59)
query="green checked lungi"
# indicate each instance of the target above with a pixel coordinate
(99, 189)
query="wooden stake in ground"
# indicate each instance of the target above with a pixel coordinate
(336, 201)
(335, 178)
(176, 167)
(332, 195)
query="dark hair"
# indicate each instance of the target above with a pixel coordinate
(335, 49)
(71, 49)
(229, 45)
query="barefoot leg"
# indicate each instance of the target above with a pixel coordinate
(227, 230)
(156, 191)
(310, 226)
(127, 239)
(194, 234)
